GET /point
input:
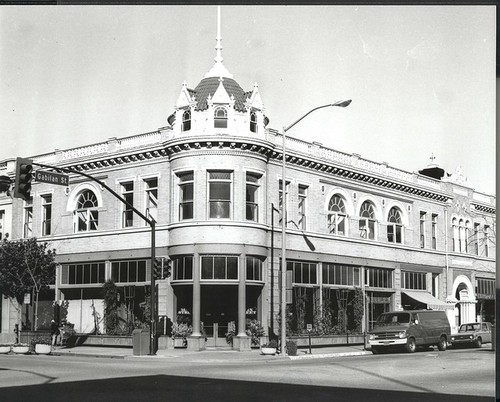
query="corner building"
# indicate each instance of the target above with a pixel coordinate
(362, 237)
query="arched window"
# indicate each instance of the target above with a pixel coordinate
(395, 226)
(467, 236)
(337, 215)
(220, 118)
(461, 236)
(454, 230)
(186, 121)
(253, 122)
(367, 221)
(86, 214)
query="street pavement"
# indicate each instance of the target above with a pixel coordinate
(209, 355)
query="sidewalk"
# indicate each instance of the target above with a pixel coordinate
(209, 355)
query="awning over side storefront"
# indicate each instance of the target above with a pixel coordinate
(428, 299)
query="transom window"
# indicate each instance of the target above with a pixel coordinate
(303, 272)
(378, 277)
(220, 118)
(182, 268)
(219, 190)
(186, 121)
(367, 221)
(219, 267)
(87, 216)
(337, 215)
(129, 271)
(337, 274)
(254, 269)
(186, 193)
(79, 274)
(252, 199)
(414, 280)
(394, 227)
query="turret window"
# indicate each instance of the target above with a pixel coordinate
(186, 121)
(220, 118)
(253, 122)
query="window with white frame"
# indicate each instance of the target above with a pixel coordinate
(186, 121)
(367, 220)
(414, 280)
(182, 268)
(82, 274)
(422, 228)
(434, 231)
(129, 271)
(28, 218)
(219, 194)
(220, 117)
(337, 216)
(252, 196)
(186, 194)
(476, 238)
(486, 239)
(127, 212)
(253, 122)
(341, 274)
(254, 268)
(151, 190)
(302, 207)
(394, 226)
(454, 231)
(280, 199)
(461, 236)
(219, 267)
(466, 236)
(303, 272)
(46, 214)
(86, 213)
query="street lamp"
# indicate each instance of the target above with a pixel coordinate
(344, 103)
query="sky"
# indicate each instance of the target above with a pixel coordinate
(421, 78)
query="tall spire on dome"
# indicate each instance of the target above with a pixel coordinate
(218, 69)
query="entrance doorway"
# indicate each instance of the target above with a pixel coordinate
(219, 307)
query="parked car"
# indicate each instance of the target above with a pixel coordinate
(409, 329)
(472, 334)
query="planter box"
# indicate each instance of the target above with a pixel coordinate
(328, 340)
(4, 349)
(20, 350)
(268, 351)
(42, 349)
(102, 340)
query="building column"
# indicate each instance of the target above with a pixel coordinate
(196, 341)
(241, 341)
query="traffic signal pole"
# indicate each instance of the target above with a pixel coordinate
(150, 222)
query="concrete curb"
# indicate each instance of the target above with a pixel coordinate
(327, 355)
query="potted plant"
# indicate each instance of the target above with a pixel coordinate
(179, 334)
(269, 348)
(5, 348)
(20, 348)
(291, 348)
(42, 345)
(255, 331)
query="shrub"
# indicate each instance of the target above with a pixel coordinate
(231, 332)
(271, 344)
(181, 330)
(40, 340)
(254, 330)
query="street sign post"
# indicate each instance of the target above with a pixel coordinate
(51, 177)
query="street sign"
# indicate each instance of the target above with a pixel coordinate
(309, 327)
(51, 177)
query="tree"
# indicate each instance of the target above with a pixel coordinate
(26, 266)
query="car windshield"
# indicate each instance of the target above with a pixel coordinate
(393, 318)
(469, 327)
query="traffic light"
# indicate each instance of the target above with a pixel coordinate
(158, 263)
(24, 176)
(162, 268)
(167, 268)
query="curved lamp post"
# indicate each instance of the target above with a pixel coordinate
(344, 103)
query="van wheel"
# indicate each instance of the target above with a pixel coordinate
(479, 342)
(411, 346)
(442, 344)
(375, 350)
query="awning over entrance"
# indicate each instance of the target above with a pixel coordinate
(428, 299)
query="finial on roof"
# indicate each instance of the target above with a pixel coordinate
(218, 69)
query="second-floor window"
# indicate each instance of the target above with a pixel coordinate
(28, 219)
(476, 238)
(219, 194)
(280, 199)
(186, 193)
(87, 216)
(434, 231)
(186, 121)
(486, 239)
(46, 214)
(151, 198)
(128, 195)
(253, 122)
(302, 207)
(337, 215)
(422, 229)
(252, 196)
(454, 233)
(367, 221)
(394, 227)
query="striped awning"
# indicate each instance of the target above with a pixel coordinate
(428, 299)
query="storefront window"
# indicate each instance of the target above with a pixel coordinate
(219, 267)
